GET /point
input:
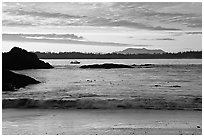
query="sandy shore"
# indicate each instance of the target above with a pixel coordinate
(103, 122)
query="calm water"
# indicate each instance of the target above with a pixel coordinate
(170, 84)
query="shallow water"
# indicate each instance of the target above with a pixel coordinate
(169, 84)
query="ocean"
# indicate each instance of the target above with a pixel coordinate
(169, 84)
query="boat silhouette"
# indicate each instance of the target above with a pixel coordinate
(75, 62)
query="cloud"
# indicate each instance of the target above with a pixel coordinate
(150, 16)
(165, 39)
(51, 36)
(140, 25)
(16, 23)
(129, 24)
(194, 33)
(91, 22)
(60, 40)
(160, 39)
(43, 14)
(180, 33)
(186, 14)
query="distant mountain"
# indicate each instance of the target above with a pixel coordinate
(141, 51)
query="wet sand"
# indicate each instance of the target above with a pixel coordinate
(101, 122)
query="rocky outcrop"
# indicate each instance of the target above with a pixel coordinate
(106, 66)
(12, 81)
(18, 59)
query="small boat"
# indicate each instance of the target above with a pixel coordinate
(75, 62)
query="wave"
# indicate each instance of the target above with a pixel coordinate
(183, 103)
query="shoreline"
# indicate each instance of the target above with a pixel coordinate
(194, 104)
(101, 122)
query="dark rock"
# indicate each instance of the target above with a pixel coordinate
(12, 81)
(143, 65)
(198, 126)
(176, 86)
(197, 100)
(106, 66)
(18, 59)
(157, 85)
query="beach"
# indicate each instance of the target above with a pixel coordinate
(100, 122)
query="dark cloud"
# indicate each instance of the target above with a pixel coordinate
(166, 15)
(140, 25)
(42, 14)
(163, 28)
(165, 39)
(16, 23)
(160, 39)
(194, 33)
(125, 23)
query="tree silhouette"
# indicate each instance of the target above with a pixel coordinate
(79, 55)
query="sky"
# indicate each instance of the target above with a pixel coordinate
(101, 27)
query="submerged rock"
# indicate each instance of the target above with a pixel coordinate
(157, 85)
(18, 59)
(106, 66)
(198, 126)
(175, 86)
(12, 81)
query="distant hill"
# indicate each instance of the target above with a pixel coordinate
(141, 51)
